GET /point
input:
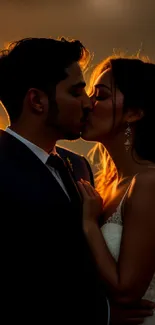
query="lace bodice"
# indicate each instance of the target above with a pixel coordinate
(112, 232)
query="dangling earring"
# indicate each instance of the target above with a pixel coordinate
(128, 134)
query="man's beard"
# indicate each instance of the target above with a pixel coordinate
(52, 122)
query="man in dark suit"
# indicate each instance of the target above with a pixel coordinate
(48, 274)
(47, 271)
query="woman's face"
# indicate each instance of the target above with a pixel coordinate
(106, 116)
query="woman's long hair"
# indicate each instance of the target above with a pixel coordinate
(135, 78)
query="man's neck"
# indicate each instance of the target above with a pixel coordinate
(43, 142)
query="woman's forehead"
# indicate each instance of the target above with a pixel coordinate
(104, 78)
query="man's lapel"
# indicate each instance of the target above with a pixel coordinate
(63, 154)
(69, 165)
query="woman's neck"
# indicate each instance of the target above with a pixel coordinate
(127, 162)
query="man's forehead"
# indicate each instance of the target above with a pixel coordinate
(75, 73)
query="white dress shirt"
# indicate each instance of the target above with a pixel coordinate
(41, 154)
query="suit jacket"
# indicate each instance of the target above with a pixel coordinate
(78, 164)
(47, 271)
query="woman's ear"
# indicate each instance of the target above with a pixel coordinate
(133, 116)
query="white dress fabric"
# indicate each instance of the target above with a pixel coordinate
(112, 232)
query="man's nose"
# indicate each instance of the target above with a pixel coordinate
(87, 103)
(92, 99)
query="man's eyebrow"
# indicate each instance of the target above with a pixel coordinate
(80, 84)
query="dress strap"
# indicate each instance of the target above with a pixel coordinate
(117, 215)
(124, 196)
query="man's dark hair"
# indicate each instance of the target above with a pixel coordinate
(35, 63)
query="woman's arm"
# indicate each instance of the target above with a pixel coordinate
(128, 279)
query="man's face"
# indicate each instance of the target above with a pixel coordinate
(72, 104)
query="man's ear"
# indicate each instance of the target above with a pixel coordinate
(38, 100)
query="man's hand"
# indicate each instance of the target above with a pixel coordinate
(123, 315)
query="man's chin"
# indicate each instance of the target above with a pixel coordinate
(71, 137)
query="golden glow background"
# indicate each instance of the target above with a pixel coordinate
(100, 24)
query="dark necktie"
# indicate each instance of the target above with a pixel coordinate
(57, 163)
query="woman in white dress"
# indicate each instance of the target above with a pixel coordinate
(123, 122)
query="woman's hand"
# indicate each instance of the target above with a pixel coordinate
(92, 203)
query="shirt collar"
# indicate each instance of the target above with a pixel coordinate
(40, 153)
